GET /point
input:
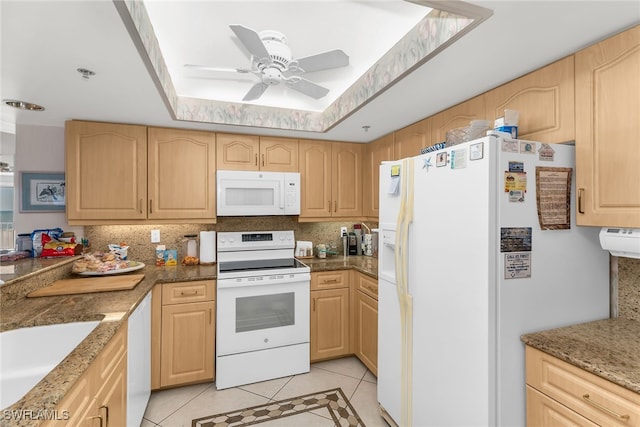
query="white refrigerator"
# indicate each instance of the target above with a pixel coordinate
(478, 245)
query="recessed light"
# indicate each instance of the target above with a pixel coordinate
(23, 105)
(86, 73)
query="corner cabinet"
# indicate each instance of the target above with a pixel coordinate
(181, 180)
(329, 315)
(251, 152)
(128, 174)
(330, 180)
(560, 394)
(375, 153)
(364, 321)
(183, 333)
(106, 171)
(608, 131)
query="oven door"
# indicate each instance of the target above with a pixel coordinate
(256, 317)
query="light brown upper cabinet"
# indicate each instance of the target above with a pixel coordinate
(375, 153)
(106, 171)
(608, 131)
(182, 174)
(409, 140)
(456, 117)
(251, 152)
(544, 99)
(330, 179)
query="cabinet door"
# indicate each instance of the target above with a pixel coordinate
(375, 153)
(278, 154)
(106, 171)
(608, 131)
(456, 117)
(545, 100)
(187, 353)
(237, 152)
(544, 411)
(410, 140)
(110, 405)
(329, 323)
(366, 330)
(182, 174)
(315, 179)
(347, 179)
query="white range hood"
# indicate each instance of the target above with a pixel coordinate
(624, 242)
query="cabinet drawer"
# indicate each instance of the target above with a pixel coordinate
(184, 292)
(366, 284)
(544, 411)
(597, 399)
(329, 280)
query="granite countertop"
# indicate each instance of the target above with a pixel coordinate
(608, 348)
(365, 264)
(111, 308)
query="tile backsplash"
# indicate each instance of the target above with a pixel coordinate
(138, 237)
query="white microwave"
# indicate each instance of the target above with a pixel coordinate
(249, 193)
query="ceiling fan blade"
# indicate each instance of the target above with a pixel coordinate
(221, 69)
(323, 61)
(308, 88)
(251, 40)
(255, 92)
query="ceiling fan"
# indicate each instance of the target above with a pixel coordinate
(272, 62)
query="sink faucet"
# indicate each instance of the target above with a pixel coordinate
(368, 229)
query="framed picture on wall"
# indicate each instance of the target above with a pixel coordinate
(42, 192)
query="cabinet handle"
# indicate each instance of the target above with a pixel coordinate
(329, 206)
(98, 417)
(140, 204)
(263, 160)
(314, 305)
(587, 399)
(330, 281)
(183, 293)
(150, 206)
(210, 315)
(372, 289)
(256, 159)
(335, 206)
(580, 193)
(106, 414)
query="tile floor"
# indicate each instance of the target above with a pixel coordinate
(177, 407)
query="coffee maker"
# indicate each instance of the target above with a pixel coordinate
(353, 243)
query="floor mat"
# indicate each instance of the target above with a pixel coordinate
(332, 402)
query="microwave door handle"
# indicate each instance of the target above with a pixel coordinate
(282, 196)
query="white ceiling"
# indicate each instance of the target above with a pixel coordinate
(43, 43)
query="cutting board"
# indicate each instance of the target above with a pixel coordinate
(88, 284)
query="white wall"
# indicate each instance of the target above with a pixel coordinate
(39, 149)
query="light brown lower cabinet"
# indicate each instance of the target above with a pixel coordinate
(99, 397)
(329, 309)
(364, 319)
(183, 321)
(561, 394)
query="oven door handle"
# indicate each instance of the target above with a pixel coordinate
(244, 282)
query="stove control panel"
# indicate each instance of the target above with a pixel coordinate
(255, 240)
